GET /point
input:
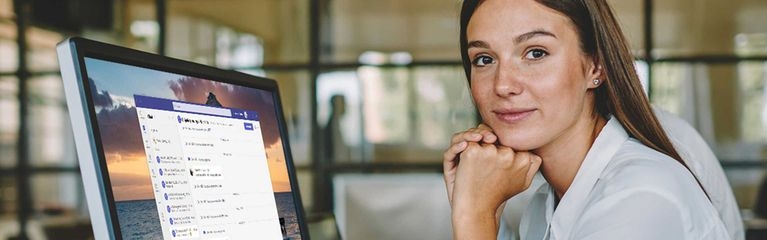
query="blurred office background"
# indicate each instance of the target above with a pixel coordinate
(369, 87)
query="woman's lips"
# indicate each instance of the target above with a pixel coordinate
(513, 115)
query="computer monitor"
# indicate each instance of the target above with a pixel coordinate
(170, 149)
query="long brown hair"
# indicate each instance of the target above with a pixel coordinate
(601, 38)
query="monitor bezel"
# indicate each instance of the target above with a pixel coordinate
(72, 53)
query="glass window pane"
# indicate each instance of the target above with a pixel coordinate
(59, 195)
(9, 52)
(701, 27)
(386, 104)
(392, 114)
(236, 33)
(50, 137)
(8, 195)
(9, 56)
(140, 28)
(427, 30)
(42, 60)
(427, 104)
(630, 15)
(41, 51)
(444, 105)
(135, 26)
(666, 85)
(340, 117)
(9, 121)
(725, 102)
(6, 9)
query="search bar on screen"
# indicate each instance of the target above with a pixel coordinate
(177, 106)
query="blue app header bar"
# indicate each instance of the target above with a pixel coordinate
(187, 107)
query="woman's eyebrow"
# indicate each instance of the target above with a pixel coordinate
(519, 39)
(478, 44)
(535, 33)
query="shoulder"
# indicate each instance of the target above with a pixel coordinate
(640, 169)
(637, 171)
(656, 191)
(634, 159)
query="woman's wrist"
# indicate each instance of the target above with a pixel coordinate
(474, 223)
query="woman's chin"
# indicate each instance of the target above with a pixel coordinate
(518, 145)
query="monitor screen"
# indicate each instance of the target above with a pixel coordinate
(188, 156)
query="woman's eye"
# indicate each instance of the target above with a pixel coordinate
(536, 54)
(481, 61)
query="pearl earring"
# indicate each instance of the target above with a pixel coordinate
(596, 81)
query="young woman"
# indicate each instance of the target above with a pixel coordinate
(554, 81)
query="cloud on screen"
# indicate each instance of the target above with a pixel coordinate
(100, 99)
(195, 90)
(120, 133)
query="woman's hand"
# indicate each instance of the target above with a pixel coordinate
(489, 174)
(486, 177)
(458, 144)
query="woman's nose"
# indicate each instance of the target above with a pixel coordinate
(507, 81)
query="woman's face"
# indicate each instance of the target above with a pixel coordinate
(529, 78)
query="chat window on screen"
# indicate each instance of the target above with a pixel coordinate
(209, 171)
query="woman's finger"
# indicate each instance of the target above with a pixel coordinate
(488, 136)
(452, 152)
(468, 135)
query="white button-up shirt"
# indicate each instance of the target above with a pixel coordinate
(624, 190)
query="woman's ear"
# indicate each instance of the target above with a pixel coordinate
(595, 74)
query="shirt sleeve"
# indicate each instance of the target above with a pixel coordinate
(633, 215)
